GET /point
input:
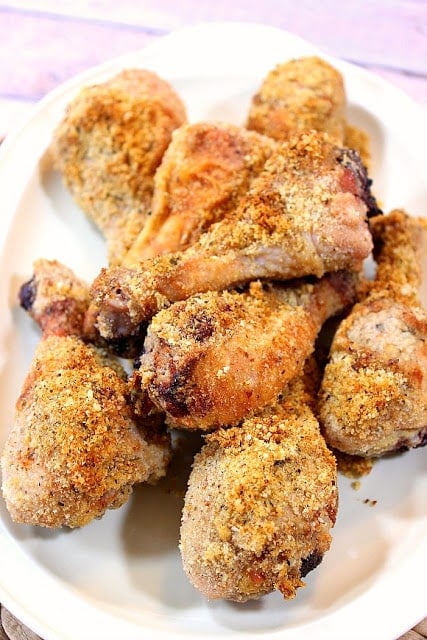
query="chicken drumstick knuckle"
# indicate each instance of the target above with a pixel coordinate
(261, 501)
(76, 447)
(206, 359)
(305, 214)
(373, 396)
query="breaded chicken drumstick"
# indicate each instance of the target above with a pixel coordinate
(75, 448)
(299, 95)
(219, 357)
(305, 214)
(261, 501)
(108, 147)
(373, 396)
(204, 173)
(302, 94)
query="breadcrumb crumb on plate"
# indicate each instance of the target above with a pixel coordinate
(121, 577)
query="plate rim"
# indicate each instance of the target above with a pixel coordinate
(27, 615)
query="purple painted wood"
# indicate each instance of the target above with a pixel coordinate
(381, 32)
(46, 42)
(40, 52)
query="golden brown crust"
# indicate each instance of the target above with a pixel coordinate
(301, 94)
(76, 446)
(75, 449)
(108, 147)
(260, 504)
(305, 214)
(55, 298)
(398, 241)
(373, 395)
(356, 138)
(353, 466)
(205, 171)
(206, 361)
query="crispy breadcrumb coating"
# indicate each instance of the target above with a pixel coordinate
(108, 147)
(301, 94)
(76, 447)
(305, 214)
(55, 298)
(373, 396)
(204, 173)
(353, 466)
(306, 93)
(356, 138)
(218, 357)
(261, 500)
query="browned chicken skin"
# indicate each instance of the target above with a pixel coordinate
(75, 448)
(298, 95)
(108, 147)
(218, 357)
(205, 171)
(373, 397)
(305, 214)
(261, 501)
(301, 94)
(56, 299)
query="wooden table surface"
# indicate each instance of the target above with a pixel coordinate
(45, 42)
